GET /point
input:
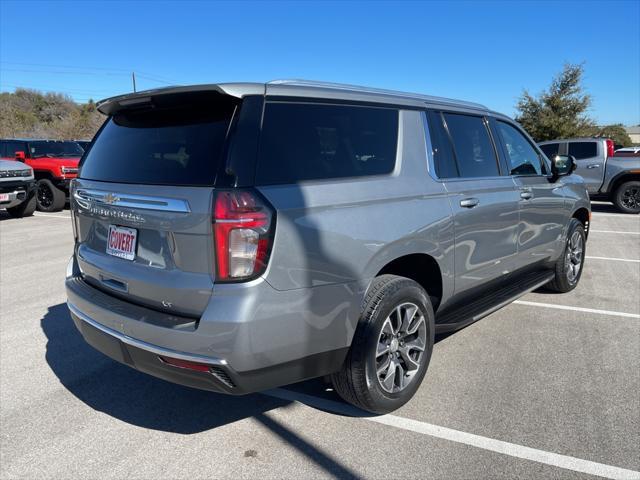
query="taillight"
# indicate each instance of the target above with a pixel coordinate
(610, 148)
(243, 226)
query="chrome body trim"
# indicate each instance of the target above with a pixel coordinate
(145, 202)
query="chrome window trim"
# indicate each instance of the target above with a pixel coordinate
(145, 202)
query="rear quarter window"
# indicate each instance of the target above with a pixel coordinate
(304, 141)
(582, 150)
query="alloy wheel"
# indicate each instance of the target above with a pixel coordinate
(45, 195)
(574, 256)
(400, 347)
(631, 197)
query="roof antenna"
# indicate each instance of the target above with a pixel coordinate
(133, 79)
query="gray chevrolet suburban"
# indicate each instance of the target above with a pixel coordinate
(238, 237)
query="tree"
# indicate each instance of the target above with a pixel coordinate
(616, 132)
(29, 113)
(560, 111)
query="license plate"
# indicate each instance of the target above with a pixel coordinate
(121, 242)
(4, 197)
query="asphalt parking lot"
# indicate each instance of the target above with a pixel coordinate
(547, 387)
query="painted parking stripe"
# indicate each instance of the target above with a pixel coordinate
(613, 259)
(614, 231)
(52, 215)
(619, 215)
(578, 309)
(506, 448)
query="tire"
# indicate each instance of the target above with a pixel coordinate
(25, 209)
(358, 381)
(49, 197)
(626, 198)
(567, 271)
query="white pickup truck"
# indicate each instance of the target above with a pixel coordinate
(609, 175)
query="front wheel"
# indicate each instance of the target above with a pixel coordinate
(49, 197)
(391, 347)
(568, 268)
(627, 197)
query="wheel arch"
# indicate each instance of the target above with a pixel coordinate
(42, 174)
(421, 268)
(622, 178)
(583, 215)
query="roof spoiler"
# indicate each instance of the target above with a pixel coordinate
(152, 98)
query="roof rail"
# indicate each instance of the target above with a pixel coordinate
(379, 91)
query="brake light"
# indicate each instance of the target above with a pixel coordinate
(610, 148)
(243, 225)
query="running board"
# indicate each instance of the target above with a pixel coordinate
(468, 313)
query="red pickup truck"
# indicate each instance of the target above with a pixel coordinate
(54, 164)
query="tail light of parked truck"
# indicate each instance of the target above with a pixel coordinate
(610, 148)
(243, 227)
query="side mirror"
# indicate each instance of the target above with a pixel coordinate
(562, 165)
(20, 156)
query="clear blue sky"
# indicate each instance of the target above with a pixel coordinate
(481, 51)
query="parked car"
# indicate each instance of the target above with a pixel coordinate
(54, 163)
(237, 237)
(17, 189)
(607, 175)
(627, 152)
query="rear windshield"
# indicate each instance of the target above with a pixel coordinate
(170, 146)
(55, 149)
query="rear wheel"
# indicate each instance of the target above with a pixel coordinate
(49, 197)
(569, 266)
(25, 209)
(627, 197)
(391, 348)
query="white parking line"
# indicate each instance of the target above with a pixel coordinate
(485, 443)
(619, 215)
(614, 231)
(578, 309)
(52, 215)
(614, 259)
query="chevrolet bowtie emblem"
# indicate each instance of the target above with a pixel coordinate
(110, 198)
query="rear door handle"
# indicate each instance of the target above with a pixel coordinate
(469, 202)
(597, 165)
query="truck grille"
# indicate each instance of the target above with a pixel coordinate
(15, 173)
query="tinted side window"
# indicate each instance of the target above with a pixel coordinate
(523, 158)
(312, 142)
(472, 144)
(550, 149)
(12, 147)
(582, 150)
(442, 150)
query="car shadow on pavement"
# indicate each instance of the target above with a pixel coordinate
(145, 401)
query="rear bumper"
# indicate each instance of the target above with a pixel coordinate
(141, 338)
